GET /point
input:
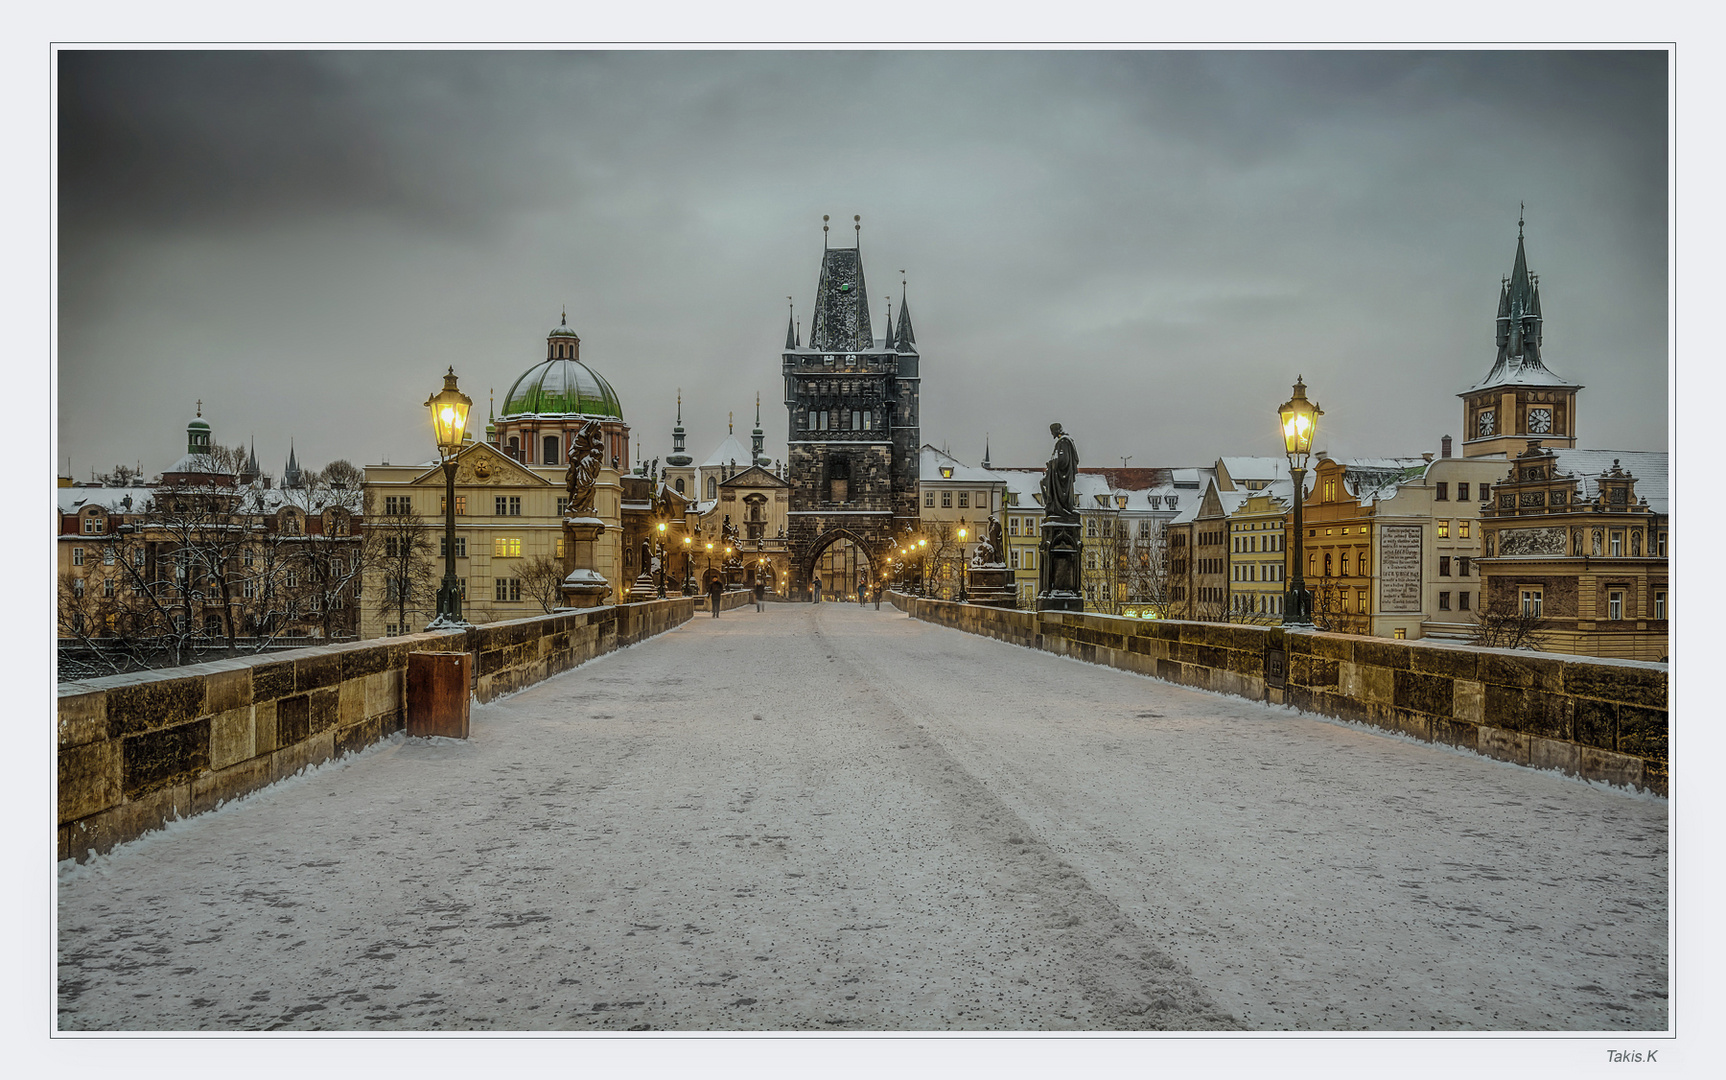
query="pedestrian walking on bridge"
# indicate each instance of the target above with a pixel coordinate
(815, 589)
(715, 589)
(760, 594)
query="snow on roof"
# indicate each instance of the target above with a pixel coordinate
(197, 463)
(1647, 466)
(1255, 468)
(728, 451)
(71, 500)
(1518, 371)
(931, 461)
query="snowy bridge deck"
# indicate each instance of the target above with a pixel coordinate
(843, 818)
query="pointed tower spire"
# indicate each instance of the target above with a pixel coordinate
(757, 437)
(986, 464)
(730, 425)
(678, 456)
(790, 325)
(906, 337)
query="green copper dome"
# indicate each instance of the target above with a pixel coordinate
(559, 386)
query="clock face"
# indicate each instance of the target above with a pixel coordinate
(1486, 422)
(1539, 421)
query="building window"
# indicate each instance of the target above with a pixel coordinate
(1462, 601)
(78, 586)
(1013, 558)
(712, 488)
(460, 505)
(248, 589)
(1360, 598)
(929, 498)
(1615, 604)
(1443, 492)
(560, 548)
(1486, 493)
(1091, 527)
(1660, 605)
(1616, 544)
(1012, 526)
(1444, 566)
(1462, 566)
(443, 547)
(507, 590)
(92, 524)
(1661, 551)
(292, 580)
(1399, 634)
(946, 500)
(1444, 530)
(1444, 601)
(964, 500)
(505, 547)
(1462, 492)
(551, 449)
(1531, 603)
(77, 556)
(108, 587)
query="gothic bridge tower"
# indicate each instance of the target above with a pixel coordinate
(1520, 396)
(852, 401)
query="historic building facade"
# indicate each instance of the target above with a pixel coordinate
(1580, 547)
(852, 405)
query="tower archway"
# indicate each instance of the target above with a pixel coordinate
(843, 561)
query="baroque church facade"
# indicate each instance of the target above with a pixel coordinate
(852, 429)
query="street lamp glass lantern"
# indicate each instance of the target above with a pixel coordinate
(1299, 423)
(449, 408)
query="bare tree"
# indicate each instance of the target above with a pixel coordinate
(1145, 569)
(1503, 624)
(326, 553)
(542, 581)
(342, 475)
(401, 546)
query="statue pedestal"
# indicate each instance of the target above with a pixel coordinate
(991, 585)
(583, 586)
(644, 589)
(1059, 572)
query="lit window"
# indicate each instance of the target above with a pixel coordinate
(1400, 633)
(1462, 529)
(1444, 530)
(505, 547)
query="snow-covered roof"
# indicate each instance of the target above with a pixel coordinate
(1024, 484)
(931, 461)
(197, 463)
(1648, 466)
(1519, 371)
(72, 499)
(1256, 469)
(728, 451)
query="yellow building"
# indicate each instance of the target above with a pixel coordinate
(1022, 530)
(954, 497)
(1258, 538)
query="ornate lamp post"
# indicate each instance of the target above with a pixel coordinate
(1299, 422)
(922, 561)
(962, 534)
(662, 560)
(449, 408)
(688, 566)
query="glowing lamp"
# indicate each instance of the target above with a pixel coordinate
(1299, 423)
(449, 408)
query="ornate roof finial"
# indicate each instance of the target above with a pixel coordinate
(563, 320)
(200, 406)
(729, 425)
(1521, 212)
(858, 218)
(824, 220)
(680, 405)
(757, 408)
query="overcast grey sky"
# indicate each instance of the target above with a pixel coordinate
(1147, 247)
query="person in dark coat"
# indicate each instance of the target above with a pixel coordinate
(815, 590)
(760, 593)
(715, 588)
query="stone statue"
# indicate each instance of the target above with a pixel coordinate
(1636, 545)
(585, 452)
(728, 531)
(1596, 545)
(995, 544)
(984, 555)
(1059, 476)
(646, 554)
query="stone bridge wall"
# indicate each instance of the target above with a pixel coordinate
(1600, 719)
(141, 749)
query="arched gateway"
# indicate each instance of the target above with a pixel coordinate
(853, 436)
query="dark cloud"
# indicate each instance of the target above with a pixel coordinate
(1149, 244)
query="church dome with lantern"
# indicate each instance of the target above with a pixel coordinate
(551, 401)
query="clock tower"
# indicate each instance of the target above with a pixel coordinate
(853, 438)
(1520, 398)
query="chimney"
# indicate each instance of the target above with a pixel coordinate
(1444, 446)
(1427, 457)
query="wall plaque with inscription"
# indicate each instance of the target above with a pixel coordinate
(1399, 555)
(1547, 541)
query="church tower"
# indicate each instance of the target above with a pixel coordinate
(1520, 398)
(679, 466)
(852, 405)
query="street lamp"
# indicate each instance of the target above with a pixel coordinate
(962, 598)
(662, 560)
(1299, 419)
(922, 566)
(688, 568)
(449, 408)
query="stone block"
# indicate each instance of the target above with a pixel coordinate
(264, 727)
(1318, 671)
(1528, 672)
(83, 716)
(1495, 742)
(1656, 777)
(312, 751)
(1377, 685)
(357, 737)
(1558, 754)
(89, 778)
(1331, 646)
(1623, 770)
(1439, 660)
(293, 719)
(1642, 732)
(383, 691)
(1595, 723)
(228, 687)
(1430, 694)
(272, 681)
(127, 820)
(1170, 670)
(148, 706)
(1413, 724)
(1468, 701)
(324, 708)
(165, 757)
(1531, 711)
(371, 659)
(321, 668)
(212, 789)
(1633, 686)
(1454, 733)
(1377, 652)
(233, 737)
(351, 702)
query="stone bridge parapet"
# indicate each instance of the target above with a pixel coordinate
(1600, 719)
(141, 749)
